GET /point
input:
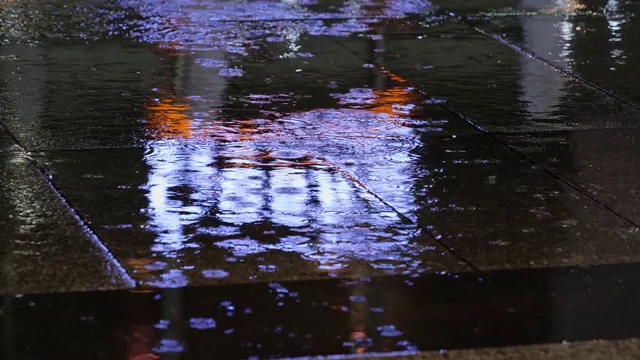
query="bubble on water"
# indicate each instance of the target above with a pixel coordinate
(435, 101)
(215, 273)
(171, 279)
(267, 268)
(228, 305)
(158, 265)
(169, 346)
(389, 331)
(212, 63)
(162, 324)
(357, 96)
(278, 288)
(202, 323)
(402, 109)
(231, 72)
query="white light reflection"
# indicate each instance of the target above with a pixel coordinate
(266, 195)
(255, 186)
(615, 19)
(542, 89)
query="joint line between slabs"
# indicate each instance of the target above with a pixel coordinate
(5, 128)
(578, 188)
(85, 225)
(556, 67)
(405, 219)
(74, 212)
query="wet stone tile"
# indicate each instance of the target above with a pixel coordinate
(81, 21)
(173, 85)
(603, 163)
(496, 87)
(391, 316)
(497, 210)
(286, 67)
(197, 13)
(624, 349)
(6, 143)
(512, 7)
(79, 96)
(239, 212)
(601, 48)
(42, 246)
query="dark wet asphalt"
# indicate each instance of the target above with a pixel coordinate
(365, 152)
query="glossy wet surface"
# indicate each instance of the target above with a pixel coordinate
(43, 246)
(370, 157)
(303, 318)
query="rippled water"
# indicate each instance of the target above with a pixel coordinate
(226, 141)
(274, 142)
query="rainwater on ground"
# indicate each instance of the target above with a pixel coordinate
(307, 177)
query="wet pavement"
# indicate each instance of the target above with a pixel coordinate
(319, 178)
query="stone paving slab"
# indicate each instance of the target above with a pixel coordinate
(177, 215)
(626, 349)
(498, 88)
(79, 95)
(602, 162)
(599, 48)
(6, 143)
(183, 214)
(302, 158)
(43, 248)
(497, 210)
(165, 91)
(502, 311)
(521, 8)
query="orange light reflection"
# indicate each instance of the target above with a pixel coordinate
(169, 118)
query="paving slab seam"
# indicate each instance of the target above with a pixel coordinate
(4, 128)
(107, 253)
(556, 67)
(404, 218)
(578, 188)
(85, 225)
